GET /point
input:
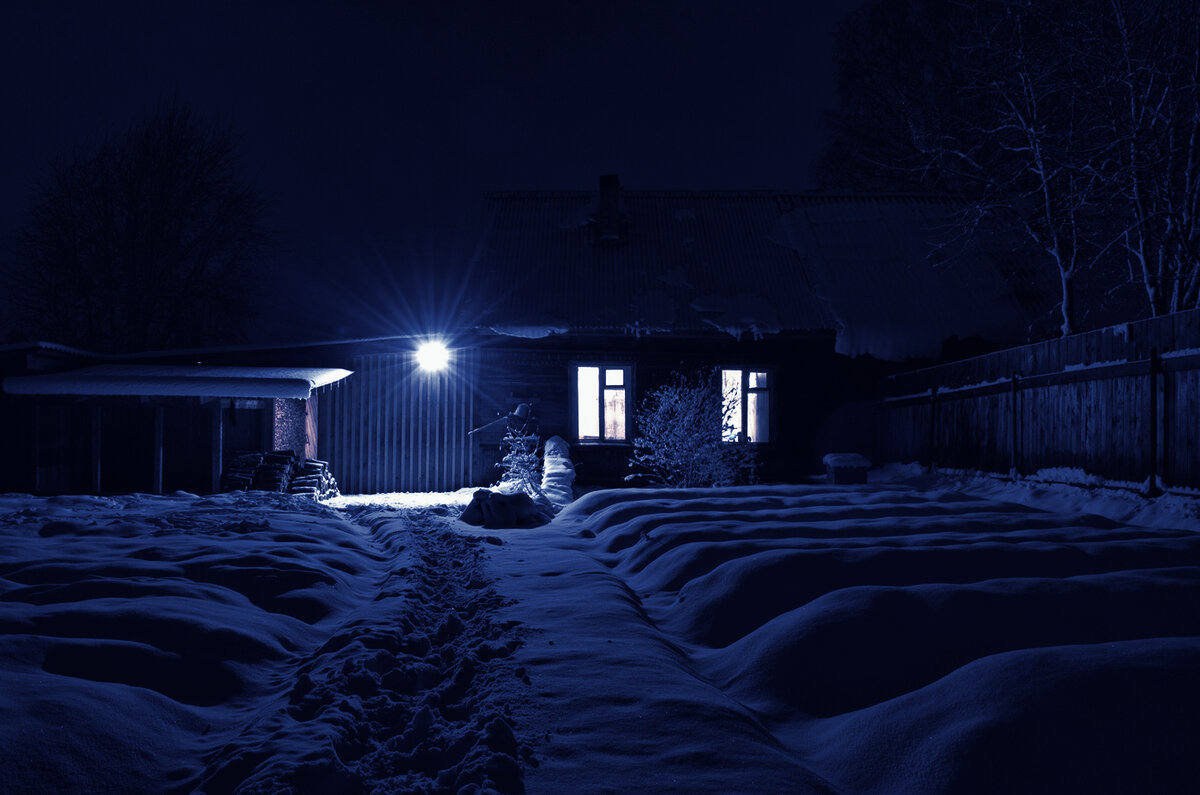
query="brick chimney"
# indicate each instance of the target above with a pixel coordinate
(607, 223)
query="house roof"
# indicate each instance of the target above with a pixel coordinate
(179, 381)
(692, 262)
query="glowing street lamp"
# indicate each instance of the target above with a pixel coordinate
(432, 356)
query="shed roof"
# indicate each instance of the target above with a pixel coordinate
(875, 269)
(180, 381)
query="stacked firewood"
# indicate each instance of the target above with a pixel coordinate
(275, 471)
(282, 471)
(314, 479)
(238, 472)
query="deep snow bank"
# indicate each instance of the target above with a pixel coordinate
(891, 639)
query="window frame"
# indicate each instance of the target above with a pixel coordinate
(573, 398)
(744, 403)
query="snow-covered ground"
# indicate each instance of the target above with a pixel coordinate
(254, 641)
(915, 635)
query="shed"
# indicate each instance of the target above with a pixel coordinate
(150, 427)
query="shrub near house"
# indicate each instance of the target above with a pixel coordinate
(689, 436)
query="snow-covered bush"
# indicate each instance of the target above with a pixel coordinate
(520, 463)
(558, 473)
(683, 425)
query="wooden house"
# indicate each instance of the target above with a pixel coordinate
(587, 300)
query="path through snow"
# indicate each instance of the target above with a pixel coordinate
(404, 696)
(253, 642)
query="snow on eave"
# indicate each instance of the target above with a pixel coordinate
(180, 381)
(529, 332)
(38, 345)
(740, 314)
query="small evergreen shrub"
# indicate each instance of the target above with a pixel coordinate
(520, 463)
(682, 425)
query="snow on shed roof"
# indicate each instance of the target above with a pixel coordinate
(180, 381)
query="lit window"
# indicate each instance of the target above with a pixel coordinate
(746, 404)
(731, 414)
(602, 402)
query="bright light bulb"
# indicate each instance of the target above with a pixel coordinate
(433, 356)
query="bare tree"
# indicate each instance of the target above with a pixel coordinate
(1073, 124)
(897, 88)
(1152, 62)
(149, 240)
(1034, 146)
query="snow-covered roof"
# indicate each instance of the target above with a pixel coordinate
(179, 381)
(684, 250)
(754, 262)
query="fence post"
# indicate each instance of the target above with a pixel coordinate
(1152, 489)
(1014, 468)
(158, 450)
(35, 424)
(97, 418)
(216, 429)
(932, 427)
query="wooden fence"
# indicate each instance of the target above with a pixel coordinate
(393, 427)
(1122, 403)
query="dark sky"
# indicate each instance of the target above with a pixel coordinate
(375, 127)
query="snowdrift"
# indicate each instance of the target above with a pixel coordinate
(887, 639)
(796, 639)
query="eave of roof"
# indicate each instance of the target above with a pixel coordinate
(38, 346)
(406, 340)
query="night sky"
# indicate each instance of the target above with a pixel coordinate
(374, 128)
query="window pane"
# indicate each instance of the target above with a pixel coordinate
(614, 376)
(731, 405)
(614, 413)
(758, 379)
(758, 416)
(588, 383)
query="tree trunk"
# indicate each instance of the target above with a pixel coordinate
(1068, 303)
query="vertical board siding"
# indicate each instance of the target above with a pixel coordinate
(1083, 402)
(391, 427)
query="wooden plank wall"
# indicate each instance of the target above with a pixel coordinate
(1121, 402)
(391, 427)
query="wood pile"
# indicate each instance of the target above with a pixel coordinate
(281, 471)
(314, 479)
(238, 472)
(275, 471)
